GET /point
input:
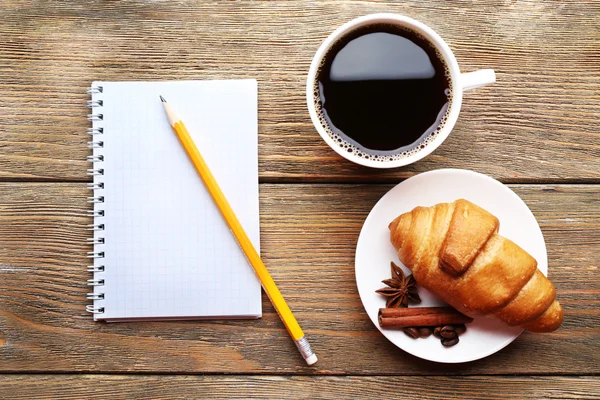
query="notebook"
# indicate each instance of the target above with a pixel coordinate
(161, 248)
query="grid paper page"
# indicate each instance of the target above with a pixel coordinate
(168, 253)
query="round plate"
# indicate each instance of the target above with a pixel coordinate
(374, 253)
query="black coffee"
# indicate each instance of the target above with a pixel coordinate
(383, 89)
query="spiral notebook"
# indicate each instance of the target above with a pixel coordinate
(161, 248)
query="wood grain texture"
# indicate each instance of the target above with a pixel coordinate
(15, 387)
(537, 124)
(308, 238)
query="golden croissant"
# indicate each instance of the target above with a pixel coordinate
(454, 251)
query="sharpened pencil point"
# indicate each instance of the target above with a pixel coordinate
(162, 99)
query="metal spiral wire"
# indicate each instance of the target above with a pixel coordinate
(95, 213)
(95, 185)
(96, 89)
(95, 131)
(95, 103)
(95, 145)
(93, 158)
(95, 117)
(95, 171)
(95, 227)
(94, 310)
(97, 240)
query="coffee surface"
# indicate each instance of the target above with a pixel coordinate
(383, 89)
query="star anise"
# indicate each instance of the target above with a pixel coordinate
(401, 289)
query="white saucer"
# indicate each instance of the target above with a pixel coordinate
(374, 253)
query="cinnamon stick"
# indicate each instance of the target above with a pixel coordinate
(420, 316)
(412, 311)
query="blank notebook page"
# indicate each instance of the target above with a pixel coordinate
(168, 253)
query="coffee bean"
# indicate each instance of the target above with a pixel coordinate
(460, 329)
(448, 335)
(448, 332)
(412, 332)
(436, 332)
(424, 332)
(449, 342)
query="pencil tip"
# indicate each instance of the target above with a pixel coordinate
(162, 99)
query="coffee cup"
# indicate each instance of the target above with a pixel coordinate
(385, 90)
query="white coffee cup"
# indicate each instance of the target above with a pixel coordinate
(459, 83)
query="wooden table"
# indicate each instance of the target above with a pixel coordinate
(536, 130)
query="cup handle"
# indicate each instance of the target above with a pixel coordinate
(475, 79)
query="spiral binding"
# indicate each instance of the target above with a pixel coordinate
(96, 213)
(94, 90)
(95, 145)
(95, 227)
(94, 310)
(95, 185)
(95, 103)
(97, 171)
(95, 131)
(96, 117)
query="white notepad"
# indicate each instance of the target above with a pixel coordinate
(162, 249)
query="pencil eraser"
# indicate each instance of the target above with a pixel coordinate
(310, 360)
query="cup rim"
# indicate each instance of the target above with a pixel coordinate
(449, 59)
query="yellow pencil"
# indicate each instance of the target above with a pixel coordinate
(234, 224)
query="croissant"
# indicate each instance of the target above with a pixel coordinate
(454, 251)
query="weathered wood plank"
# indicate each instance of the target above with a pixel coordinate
(40, 387)
(309, 234)
(538, 123)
